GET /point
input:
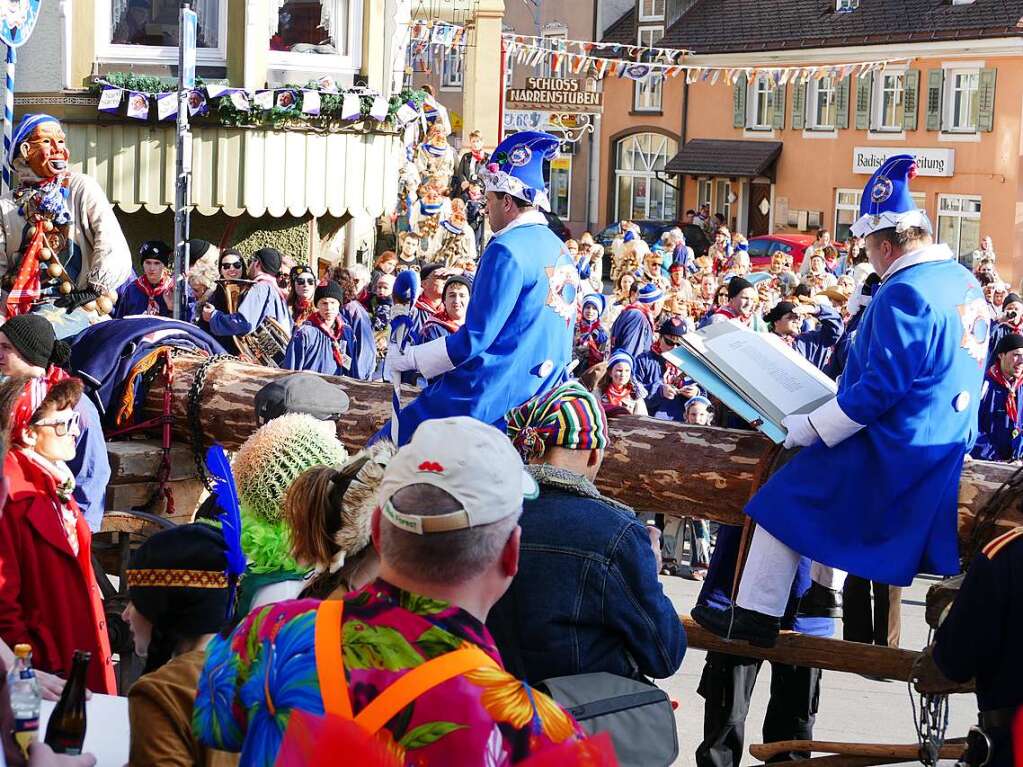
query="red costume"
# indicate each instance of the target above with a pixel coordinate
(48, 595)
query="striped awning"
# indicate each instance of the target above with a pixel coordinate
(240, 171)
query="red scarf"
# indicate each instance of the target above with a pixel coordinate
(335, 334)
(586, 334)
(671, 375)
(153, 292)
(1011, 406)
(302, 310)
(477, 156)
(732, 314)
(444, 320)
(615, 395)
(432, 309)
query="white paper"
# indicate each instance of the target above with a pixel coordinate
(406, 114)
(764, 361)
(107, 729)
(215, 90)
(351, 107)
(378, 109)
(311, 102)
(110, 98)
(166, 105)
(240, 100)
(263, 99)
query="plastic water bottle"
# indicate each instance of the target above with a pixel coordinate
(25, 697)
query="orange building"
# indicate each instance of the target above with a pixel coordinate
(794, 157)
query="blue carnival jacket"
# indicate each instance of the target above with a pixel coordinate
(998, 437)
(586, 597)
(881, 501)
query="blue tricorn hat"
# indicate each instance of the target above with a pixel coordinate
(516, 167)
(886, 201)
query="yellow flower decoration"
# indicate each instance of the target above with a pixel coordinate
(509, 700)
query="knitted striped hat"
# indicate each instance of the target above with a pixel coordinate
(620, 355)
(567, 416)
(650, 293)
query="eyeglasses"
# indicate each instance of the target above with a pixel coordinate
(671, 341)
(61, 426)
(230, 264)
(305, 281)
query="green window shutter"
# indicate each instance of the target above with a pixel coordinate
(739, 103)
(842, 103)
(911, 101)
(798, 106)
(778, 102)
(863, 91)
(935, 82)
(986, 100)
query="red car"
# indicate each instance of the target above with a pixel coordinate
(762, 248)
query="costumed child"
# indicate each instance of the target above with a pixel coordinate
(153, 292)
(592, 341)
(619, 392)
(455, 237)
(380, 302)
(324, 343)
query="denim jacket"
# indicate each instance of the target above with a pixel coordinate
(586, 597)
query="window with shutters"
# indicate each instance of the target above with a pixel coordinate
(760, 104)
(723, 195)
(962, 102)
(959, 222)
(889, 101)
(821, 106)
(647, 92)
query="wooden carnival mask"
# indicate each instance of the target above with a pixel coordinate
(46, 152)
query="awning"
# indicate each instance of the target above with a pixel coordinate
(725, 157)
(240, 171)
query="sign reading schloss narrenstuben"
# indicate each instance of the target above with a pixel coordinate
(929, 162)
(564, 93)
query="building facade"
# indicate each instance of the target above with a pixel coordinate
(794, 156)
(313, 194)
(572, 194)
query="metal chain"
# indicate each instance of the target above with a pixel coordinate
(931, 721)
(195, 412)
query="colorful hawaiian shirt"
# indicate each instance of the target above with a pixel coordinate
(266, 668)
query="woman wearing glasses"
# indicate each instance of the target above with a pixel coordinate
(48, 593)
(230, 266)
(300, 296)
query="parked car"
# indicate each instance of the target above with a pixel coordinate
(762, 248)
(649, 229)
(557, 226)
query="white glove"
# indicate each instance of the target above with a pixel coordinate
(800, 431)
(399, 362)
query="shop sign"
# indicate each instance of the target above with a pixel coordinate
(562, 93)
(929, 162)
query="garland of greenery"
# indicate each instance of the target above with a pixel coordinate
(224, 112)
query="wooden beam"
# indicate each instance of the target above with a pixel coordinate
(909, 752)
(652, 465)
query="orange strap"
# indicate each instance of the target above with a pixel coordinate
(401, 692)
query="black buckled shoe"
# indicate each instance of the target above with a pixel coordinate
(739, 624)
(820, 602)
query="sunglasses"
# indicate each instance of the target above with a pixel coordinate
(671, 341)
(230, 264)
(61, 426)
(305, 281)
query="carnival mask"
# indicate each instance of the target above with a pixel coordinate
(45, 152)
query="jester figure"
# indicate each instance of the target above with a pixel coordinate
(59, 237)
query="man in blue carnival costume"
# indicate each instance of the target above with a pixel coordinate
(904, 417)
(517, 336)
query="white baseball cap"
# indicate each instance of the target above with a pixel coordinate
(468, 459)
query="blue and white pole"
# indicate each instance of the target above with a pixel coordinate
(12, 57)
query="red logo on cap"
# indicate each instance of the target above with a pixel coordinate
(431, 466)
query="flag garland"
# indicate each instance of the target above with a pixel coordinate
(320, 104)
(431, 38)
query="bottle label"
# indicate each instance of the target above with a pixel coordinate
(26, 732)
(27, 673)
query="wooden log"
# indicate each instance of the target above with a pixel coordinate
(814, 652)
(909, 752)
(653, 466)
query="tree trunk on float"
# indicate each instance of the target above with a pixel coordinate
(653, 465)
